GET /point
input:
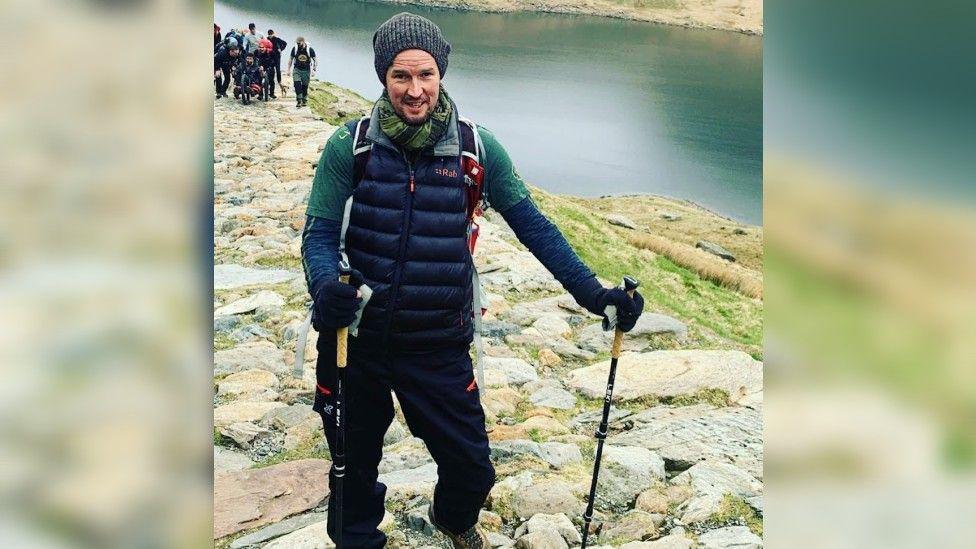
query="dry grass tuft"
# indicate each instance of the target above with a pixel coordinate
(708, 266)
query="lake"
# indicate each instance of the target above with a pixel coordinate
(584, 105)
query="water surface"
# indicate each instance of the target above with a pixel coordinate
(584, 105)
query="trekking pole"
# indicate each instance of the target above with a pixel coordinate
(630, 285)
(339, 459)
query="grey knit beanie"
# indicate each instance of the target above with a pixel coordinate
(406, 31)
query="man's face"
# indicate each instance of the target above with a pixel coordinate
(413, 83)
(235, 52)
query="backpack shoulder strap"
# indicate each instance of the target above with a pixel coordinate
(474, 172)
(470, 140)
(360, 147)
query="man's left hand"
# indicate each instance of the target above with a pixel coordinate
(628, 308)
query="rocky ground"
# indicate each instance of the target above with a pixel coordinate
(683, 464)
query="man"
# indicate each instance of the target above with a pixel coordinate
(250, 75)
(303, 57)
(224, 60)
(237, 35)
(407, 241)
(266, 60)
(278, 46)
(251, 39)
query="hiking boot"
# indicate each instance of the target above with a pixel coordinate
(472, 538)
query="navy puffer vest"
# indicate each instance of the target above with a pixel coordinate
(408, 236)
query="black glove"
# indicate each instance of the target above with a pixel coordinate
(628, 309)
(336, 302)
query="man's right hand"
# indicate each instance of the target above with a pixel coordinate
(336, 302)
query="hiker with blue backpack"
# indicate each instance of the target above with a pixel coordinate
(394, 201)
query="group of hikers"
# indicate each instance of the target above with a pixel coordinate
(253, 61)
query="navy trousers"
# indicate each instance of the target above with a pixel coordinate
(440, 402)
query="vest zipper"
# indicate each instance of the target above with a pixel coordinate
(395, 289)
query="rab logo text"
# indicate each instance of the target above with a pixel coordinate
(445, 172)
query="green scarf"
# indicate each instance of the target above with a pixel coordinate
(415, 138)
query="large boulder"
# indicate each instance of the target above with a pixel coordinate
(626, 472)
(710, 481)
(316, 536)
(553, 397)
(559, 523)
(499, 401)
(242, 411)
(252, 384)
(235, 276)
(551, 496)
(262, 355)
(672, 373)
(226, 460)
(594, 338)
(556, 454)
(538, 425)
(621, 221)
(685, 435)
(256, 497)
(731, 537)
(541, 539)
(409, 453)
(278, 529)
(516, 370)
(304, 432)
(408, 483)
(715, 249)
(250, 303)
(286, 418)
(244, 433)
(524, 273)
(635, 525)
(526, 312)
(553, 325)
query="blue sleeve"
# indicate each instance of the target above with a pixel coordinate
(320, 251)
(550, 247)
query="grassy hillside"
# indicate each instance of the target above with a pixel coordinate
(714, 313)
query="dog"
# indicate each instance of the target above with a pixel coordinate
(284, 89)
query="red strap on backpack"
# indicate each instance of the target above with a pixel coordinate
(474, 176)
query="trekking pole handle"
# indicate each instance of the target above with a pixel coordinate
(342, 334)
(630, 285)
